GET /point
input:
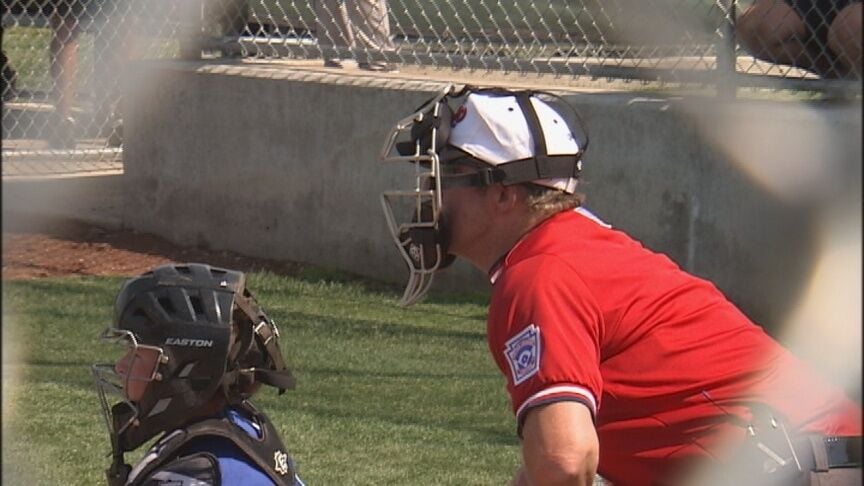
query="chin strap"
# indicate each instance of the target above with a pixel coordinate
(266, 337)
(119, 471)
(516, 171)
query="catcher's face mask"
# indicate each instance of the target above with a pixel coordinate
(528, 141)
(122, 384)
(414, 215)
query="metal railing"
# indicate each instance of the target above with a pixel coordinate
(61, 58)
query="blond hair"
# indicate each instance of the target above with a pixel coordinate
(548, 201)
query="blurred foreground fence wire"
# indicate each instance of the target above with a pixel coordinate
(61, 57)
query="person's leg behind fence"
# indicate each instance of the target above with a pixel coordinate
(334, 30)
(371, 22)
(844, 38)
(773, 30)
(118, 39)
(63, 49)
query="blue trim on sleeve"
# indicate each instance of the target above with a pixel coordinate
(520, 420)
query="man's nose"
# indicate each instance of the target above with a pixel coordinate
(122, 365)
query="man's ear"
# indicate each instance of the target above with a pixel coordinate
(506, 198)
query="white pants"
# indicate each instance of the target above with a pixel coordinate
(353, 24)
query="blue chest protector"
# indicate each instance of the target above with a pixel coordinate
(239, 448)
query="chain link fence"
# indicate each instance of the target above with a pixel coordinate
(797, 45)
(591, 37)
(61, 58)
(62, 111)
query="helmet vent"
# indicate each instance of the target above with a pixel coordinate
(186, 370)
(160, 407)
(166, 304)
(197, 306)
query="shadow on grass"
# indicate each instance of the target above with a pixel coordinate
(393, 374)
(78, 376)
(362, 327)
(485, 434)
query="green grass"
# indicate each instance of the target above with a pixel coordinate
(385, 395)
(27, 49)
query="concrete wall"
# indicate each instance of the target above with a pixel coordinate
(36, 204)
(284, 164)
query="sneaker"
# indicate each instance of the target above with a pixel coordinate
(9, 79)
(333, 63)
(61, 132)
(115, 139)
(380, 67)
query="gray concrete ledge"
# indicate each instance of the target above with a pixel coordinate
(35, 203)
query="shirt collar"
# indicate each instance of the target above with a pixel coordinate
(497, 268)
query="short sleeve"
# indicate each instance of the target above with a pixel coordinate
(544, 333)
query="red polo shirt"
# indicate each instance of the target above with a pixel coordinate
(583, 312)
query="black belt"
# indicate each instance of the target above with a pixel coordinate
(843, 451)
(821, 453)
(772, 462)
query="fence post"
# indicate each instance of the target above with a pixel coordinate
(726, 56)
(191, 29)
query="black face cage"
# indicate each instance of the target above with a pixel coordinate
(414, 215)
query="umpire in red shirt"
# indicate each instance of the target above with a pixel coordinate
(617, 361)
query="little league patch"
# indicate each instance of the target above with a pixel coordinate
(523, 353)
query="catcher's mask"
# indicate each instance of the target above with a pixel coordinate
(510, 137)
(190, 332)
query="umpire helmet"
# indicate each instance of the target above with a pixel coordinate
(209, 337)
(509, 137)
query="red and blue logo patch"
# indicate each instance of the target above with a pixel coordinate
(523, 353)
